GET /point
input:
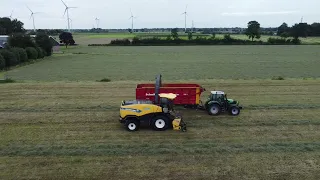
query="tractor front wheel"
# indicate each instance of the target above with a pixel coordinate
(234, 111)
(214, 109)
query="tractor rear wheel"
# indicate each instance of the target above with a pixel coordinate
(214, 109)
(160, 123)
(234, 111)
(132, 125)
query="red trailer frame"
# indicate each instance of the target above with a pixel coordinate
(187, 94)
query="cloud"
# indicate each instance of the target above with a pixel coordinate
(257, 13)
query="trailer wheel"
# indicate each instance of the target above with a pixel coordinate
(132, 125)
(214, 109)
(160, 123)
(234, 111)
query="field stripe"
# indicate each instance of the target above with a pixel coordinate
(156, 149)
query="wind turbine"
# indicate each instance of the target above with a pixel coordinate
(32, 16)
(97, 21)
(132, 17)
(185, 19)
(67, 10)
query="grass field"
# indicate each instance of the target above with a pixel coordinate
(175, 63)
(66, 125)
(71, 130)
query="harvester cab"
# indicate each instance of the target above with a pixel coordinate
(160, 116)
(218, 102)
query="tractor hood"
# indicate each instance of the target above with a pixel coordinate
(231, 101)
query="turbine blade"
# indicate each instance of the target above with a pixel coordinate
(64, 3)
(186, 7)
(72, 7)
(29, 9)
(65, 12)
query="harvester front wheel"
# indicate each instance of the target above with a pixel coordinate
(214, 109)
(132, 125)
(160, 123)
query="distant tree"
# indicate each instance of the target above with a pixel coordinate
(2, 62)
(299, 30)
(213, 35)
(21, 40)
(130, 30)
(43, 41)
(253, 30)
(174, 33)
(282, 29)
(190, 35)
(314, 29)
(17, 26)
(8, 27)
(207, 31)
(2, 30)
(227, 38)
(285, 35)
(66, 38)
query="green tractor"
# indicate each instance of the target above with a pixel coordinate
(218, 103)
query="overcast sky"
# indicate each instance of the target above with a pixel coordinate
(162, 13)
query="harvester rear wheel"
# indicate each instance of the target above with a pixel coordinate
(160, 123)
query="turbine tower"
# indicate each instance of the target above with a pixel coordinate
(32, 16)
(97, 21)
(70, 23)
(185, 19)
(67, 10)
(132, 17)
(192, 26)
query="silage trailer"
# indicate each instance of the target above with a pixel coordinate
(189, 95)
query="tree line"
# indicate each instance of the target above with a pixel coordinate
(299, 30)
(21, 47)
(253, 31)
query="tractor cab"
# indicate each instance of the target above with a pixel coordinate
(220, 96)
(218, 102)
